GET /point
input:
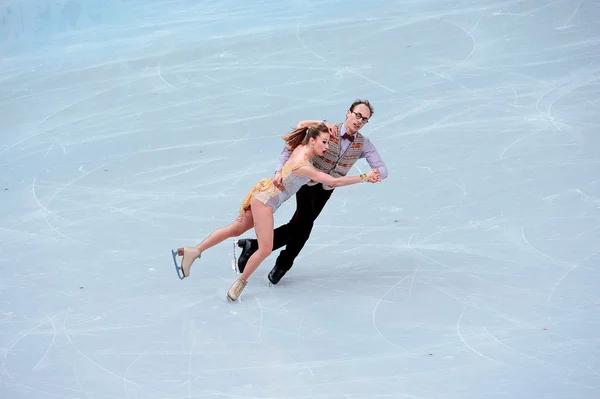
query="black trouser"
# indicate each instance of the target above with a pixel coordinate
(310, 201)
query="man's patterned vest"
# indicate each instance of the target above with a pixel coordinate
(331, 163)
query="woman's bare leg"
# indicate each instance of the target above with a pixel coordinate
(263, 226)
(242, 224)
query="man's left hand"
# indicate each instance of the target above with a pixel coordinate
(333, 130)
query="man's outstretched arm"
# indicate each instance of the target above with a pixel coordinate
(373, 158)
(332, 128)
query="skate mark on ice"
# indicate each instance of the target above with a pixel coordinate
(465, 342)
(373, 315)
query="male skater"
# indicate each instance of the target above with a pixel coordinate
(346, 146)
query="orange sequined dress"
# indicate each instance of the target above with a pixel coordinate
(266, 192)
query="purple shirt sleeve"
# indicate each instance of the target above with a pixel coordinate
(283, 157)
(373, 158)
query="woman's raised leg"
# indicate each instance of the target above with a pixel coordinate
(189, 254)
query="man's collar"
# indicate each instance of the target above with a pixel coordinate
(343, 130)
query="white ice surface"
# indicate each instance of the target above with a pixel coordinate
(131, 128)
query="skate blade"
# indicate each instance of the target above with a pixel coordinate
(231, 300)
(178, 269)
(234, 264)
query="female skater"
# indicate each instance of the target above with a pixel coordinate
(264, 199)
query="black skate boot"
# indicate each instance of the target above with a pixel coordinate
(276, 274)
(249, 246)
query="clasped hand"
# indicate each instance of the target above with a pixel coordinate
(374, 176)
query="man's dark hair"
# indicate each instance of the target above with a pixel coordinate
(364, 102)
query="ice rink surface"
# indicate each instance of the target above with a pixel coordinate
(128, 129)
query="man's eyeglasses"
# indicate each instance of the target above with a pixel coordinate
(360, 118)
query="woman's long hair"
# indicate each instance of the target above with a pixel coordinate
(302, 135)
